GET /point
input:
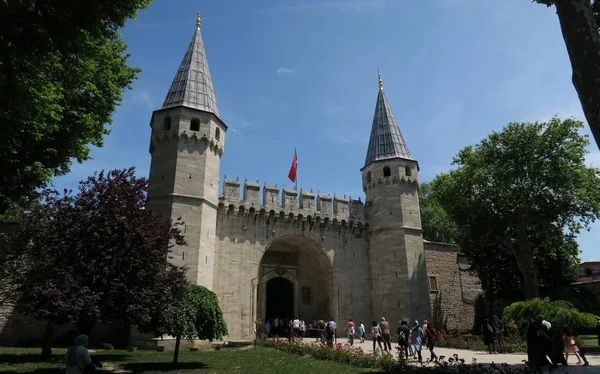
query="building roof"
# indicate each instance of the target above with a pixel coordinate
(386, 140)
(192, 86)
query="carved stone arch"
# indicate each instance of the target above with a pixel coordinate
(242, 211)
(230, 209)
(310, 267)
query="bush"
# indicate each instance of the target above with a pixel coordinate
(559, 313)
(512, 343)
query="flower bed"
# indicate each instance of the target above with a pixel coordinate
(512, 343)
(385, 361)
(341, 353)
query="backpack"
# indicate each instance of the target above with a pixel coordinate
(402, 336)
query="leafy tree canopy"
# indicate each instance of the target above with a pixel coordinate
(435, 221)
(91, 257)
(192, 314)
(559, 313)
(63, 70)
(520, 196)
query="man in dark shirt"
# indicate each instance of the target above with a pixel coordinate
(403, 334)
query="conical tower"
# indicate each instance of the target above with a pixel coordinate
(186, 145)
(390, 181)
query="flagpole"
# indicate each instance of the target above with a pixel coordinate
(296, 155)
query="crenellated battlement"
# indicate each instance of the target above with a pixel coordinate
(191, 140)
(290, 203)
(383, 182)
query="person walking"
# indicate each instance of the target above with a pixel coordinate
(78, 358)
(377, 339)
(499, 333)
(417, 335)
(350, 330)
(385, 333)
(361, 332)
(570, 345)
(431, 339)
(403, 336)
(487, 332)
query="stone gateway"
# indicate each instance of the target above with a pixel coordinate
(269, 252)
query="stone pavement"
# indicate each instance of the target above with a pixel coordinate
(515, 359)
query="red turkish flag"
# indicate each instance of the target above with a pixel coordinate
(294, 168)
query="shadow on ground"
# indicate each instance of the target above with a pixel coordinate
(36, 358)
(142, 367)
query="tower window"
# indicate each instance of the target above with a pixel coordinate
(369, 177)
(167, 123)
(433, 286)
(407, 171)
(386, 171)
(217, 134)
(195, 124)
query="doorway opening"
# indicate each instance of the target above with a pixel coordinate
(280, 298)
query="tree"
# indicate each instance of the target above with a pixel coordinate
(97, 256)
(435, 221)
(193, 314)
(63, 70)
(579, 23)
(522, 194)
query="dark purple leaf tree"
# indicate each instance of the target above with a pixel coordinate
(93, 257)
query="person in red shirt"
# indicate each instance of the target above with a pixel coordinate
(350, 329)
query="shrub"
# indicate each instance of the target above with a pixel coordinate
(341, 353)
(512, 343)
(559, 313)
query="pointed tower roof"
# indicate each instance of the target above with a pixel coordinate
(386, 140)
(192, 86)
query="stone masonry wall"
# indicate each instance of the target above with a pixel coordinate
(243, 235)
(452, 289)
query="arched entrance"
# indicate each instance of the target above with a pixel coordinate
(295, 279)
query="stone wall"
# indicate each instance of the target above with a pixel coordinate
(589, 271)
(340, 252)
(452, 289)
(19, 329)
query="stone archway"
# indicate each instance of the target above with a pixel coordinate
(303, 263)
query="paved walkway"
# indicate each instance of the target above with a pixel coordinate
(486, 358)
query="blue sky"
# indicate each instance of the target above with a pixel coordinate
(303, 74)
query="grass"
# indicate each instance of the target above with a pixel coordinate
(230, 360)
(589, 341)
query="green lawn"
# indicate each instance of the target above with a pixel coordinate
(589, 341)
(230, 360)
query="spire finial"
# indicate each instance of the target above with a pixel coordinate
(198, 22)
(380, 80)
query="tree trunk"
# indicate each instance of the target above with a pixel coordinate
(580, 32)
(524, 256)
(176, 353)
(48, 338)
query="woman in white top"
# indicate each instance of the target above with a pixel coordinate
(78, 357)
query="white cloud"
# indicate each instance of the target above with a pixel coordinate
(281, 71)
(144, 98)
